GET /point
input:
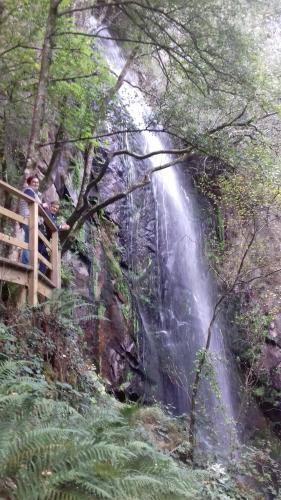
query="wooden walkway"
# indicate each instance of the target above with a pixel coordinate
(28, 276)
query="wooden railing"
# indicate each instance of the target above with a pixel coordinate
(29, 275)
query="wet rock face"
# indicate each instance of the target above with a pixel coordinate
(270, 367)
(270, 358)
(106, 331)
(81, 274)
(134, 217)
(275, 331)
(115, 283)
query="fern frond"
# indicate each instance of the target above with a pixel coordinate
(23, 384)
(49, 451)
(33, 443)
(9, 369)
(85, 485)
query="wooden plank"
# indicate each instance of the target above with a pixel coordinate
(19, 194)
(33, 251)
(47, 281)
(44, 239)
(44, 290)
(59, 269)
(13, 215)
(55, 260)
(28, 275)
(45, 261)
(22, 297)
(14, 263)
(10, 240)
(12, 275)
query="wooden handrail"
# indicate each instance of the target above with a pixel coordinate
(13, 215)
(28, 275)
(33, 254)
(45, 261)
(44, 239)
(12, 190)
(10, 240)
(19, 194)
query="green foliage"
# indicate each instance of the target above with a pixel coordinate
(22, 30)
(78, 77)
(253, 332)
(76, 171)
(248, 194)
(57, 442)
(53, 338)
(72, 97)
(67, 275)
(255, 327)
(220, 76)
(48, 450)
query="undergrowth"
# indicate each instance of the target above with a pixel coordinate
(71, 440)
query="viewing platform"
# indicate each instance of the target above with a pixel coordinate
(32, 281)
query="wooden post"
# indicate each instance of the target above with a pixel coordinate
(21, 302)
(33, 254)
(55, 260)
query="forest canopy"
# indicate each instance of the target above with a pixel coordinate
(208, 68)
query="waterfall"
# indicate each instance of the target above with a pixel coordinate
(185, 298)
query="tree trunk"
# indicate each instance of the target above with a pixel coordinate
(46, 57)
(88, 160)
(48, 177)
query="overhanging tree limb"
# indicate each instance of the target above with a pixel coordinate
(90, 211)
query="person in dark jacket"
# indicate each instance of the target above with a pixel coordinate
(53, 214)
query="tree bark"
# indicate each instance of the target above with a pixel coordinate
(46, 58)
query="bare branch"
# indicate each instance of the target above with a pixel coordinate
(118, 196)
(205, 350)
(229, 123)
(149, 155)
(72, 78)
(113, 133)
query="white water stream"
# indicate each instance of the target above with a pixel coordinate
(185, 293)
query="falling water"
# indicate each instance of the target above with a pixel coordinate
(185, 292)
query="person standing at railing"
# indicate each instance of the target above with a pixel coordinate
(52, 212)
(31, 190)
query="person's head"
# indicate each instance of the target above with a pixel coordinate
(33, 182)
(54, 207)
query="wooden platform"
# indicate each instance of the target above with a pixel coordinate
(28, 276)
(15, 272)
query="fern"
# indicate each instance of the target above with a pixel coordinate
(50, 451)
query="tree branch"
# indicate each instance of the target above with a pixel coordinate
(118, 196)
